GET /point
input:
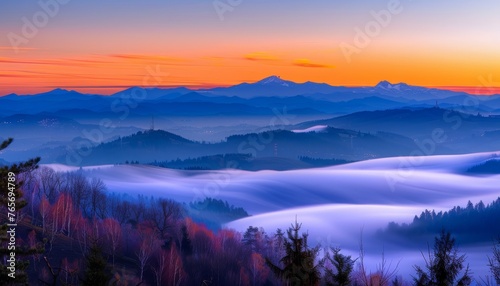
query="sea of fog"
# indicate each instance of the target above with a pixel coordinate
(337, 205)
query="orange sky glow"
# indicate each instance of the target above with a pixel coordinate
(188, 44)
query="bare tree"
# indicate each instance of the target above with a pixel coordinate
(494, 262)
(169, 269)
(138, 209)
(381, 277)
(258, 270)
(78, 187)
(65, 213)
(87, 233)
(44, 210)
(161, 265)
(52, 225)
(59, 217)
(50, 183)
(113, 233)
(176, 273)
(164, 214)
(30, 187)
(148, 245)
(68, 270)
(122, 212)
(97, 199)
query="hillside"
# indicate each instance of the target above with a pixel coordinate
(455, 131)
(150, 146)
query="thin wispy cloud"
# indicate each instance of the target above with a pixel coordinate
(260, 56)
(90, 61)
(308, 64)
(147, 57)
(35, 74)
(15, 75)
(193, 86)
(19, 61)
(56, 62)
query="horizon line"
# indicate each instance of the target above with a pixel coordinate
(113, 89)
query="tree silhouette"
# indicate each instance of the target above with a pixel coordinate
(494, 262)
(443, 265)
(148, 245)
(473, 223)
(258, 270)
(186, 245)
(12, 201)
(343, 264)
(113, 235)
(254, 239)
(96, 273)
(300, 267)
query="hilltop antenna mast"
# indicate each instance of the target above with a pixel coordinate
(275, 149)
(152, 127)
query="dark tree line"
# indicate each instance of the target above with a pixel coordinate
(489, 167)
(478, 222)
(214, 212)
(320, 162)
(212, 162)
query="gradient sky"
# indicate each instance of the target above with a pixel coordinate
(102, 46)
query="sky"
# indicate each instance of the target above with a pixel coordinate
(103, 46)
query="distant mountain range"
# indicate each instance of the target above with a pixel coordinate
(362, 122)
(245, 99)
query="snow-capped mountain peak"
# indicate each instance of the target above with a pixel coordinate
(275, 80)
(389, 86)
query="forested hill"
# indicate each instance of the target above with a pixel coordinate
(475, 223)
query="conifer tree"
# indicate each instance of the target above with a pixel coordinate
(444, 265)
(299, 263)
(96, 273)
(186, 244)
(343, 266)
(11, 203)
